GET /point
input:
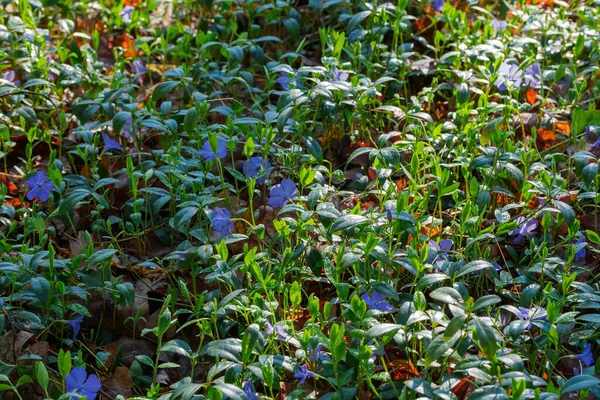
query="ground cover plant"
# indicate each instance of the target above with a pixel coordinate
(329, 199)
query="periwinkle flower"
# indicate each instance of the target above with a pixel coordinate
(525, 228)
(110, 144)
(138, 67)
(75, 323)
(441, 249)
(11, 76)
(532, 314)
(283, 80)
(39, 186)
(255, 165)
(437, 5)
(80, 384)
(532, 75)
(339, 75)
(303, 374)
(586, 356)
(126, 13)
(509, 74)
(249, 390)
(580, 254)
(315, 354)
(499, 25)
(221, 221)
(376, 301)
(282, 193)
(207, 152)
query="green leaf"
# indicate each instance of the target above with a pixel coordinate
(486, 339)
(314, 147)
(190, 120)
(565, 210)
(486, 301)
(447, 295)
(474, 266)
(381, 329)
(41, 374)
(348, 221)
(183, 217)
(164, 88)
(101, 256)
(579, 382)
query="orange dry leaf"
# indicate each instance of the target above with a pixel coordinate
(546, 135)
(421, 24)
(564, 127)
(128, 44)
(401, 184)
(402, 370)
(530, 96)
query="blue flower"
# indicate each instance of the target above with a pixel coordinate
(499, 25)
(282, 193)
(110, 144)
(531, 314)
(377, 350)
(254, 166)
(303, 374)
(11, 76)
(126, 13)
(221, 221)
(497, 266)
(249, 390)
(75, 324)
(315, 354)
(207, 152)
(283, 80)
(138, 67)
(376, 301)
(580, 254)
(586, 356)
(39, 186)
(532, 75)
(80, 384)
(508, 73)
(437, 5)
(339, 75)
(441, 249)
(525, 228)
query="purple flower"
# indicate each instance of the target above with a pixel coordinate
(283, 80)
(376, 301)
(580, 254)
(437, 5)
(282, 193)
(138, 67)
(315, 354)
(221, 221)
(525, 228)
(11, 76)
(303, 374)
(531, 314)
(269, 330)
(497, 266)
(499, 25)
(377, 350)
(75, 324)
(282, 335)
(254, 166)
(110, 144)
(126, 13)
(592, 133)
(533, 75)
(442, 249)
(249, 390)
(390, 210)
(339, 75)
(586, 356)
(79, 383)
(39, 186)
(509, 73)
(128, 127)
(207, 152)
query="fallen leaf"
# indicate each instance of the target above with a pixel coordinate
(530, 96)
